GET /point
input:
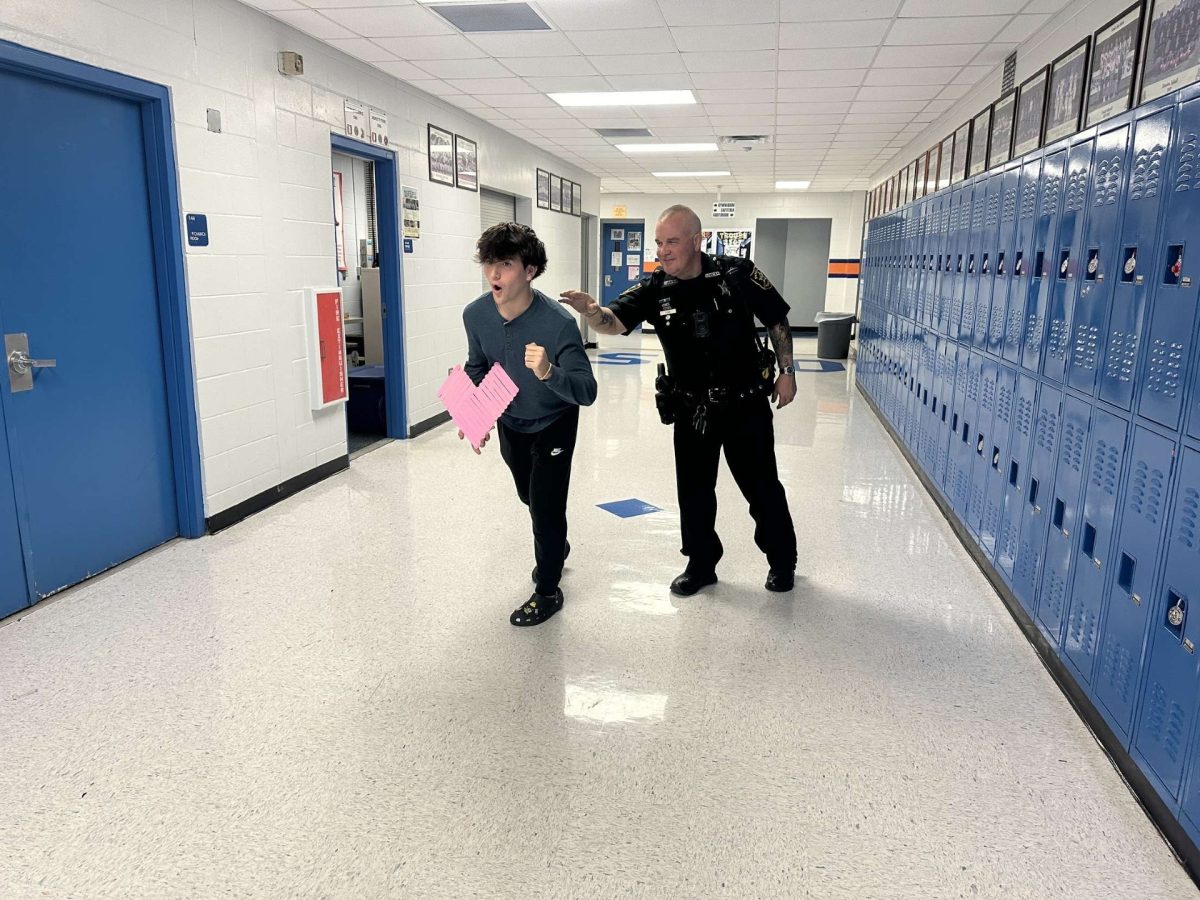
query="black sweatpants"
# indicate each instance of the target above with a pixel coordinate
(745, 429)
(540, 462)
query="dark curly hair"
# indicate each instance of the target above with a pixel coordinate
(509, 239)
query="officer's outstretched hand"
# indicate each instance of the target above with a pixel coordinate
(580, 302)
(482, 443)
(785, 390)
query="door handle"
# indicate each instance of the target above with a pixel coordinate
(20, 362)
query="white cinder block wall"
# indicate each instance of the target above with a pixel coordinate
(264, 183)
(845, 210)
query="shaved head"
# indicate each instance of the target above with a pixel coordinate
(688, 217)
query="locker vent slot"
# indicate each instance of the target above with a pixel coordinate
(1187, 155)
(1029, 199)
(1188, 516)
(1050, 194)
(1121, 358)
(1166, 368)
(1147, 173)
(1076, 190)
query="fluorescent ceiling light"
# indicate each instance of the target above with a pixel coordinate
(792, 185)
(624, 98)
(667, 148)
(689, 174)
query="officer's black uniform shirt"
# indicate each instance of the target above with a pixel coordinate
(706, 324)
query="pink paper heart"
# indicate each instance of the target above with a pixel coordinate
(476, 409)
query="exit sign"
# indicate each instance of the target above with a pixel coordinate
(723, 209)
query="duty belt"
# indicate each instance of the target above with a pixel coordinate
(719, 395)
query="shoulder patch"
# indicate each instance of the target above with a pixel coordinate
(760, 279)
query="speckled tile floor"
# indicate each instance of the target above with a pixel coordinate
(327, 700)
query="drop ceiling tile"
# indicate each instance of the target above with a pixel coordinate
(946, 30)
(479, 86)
(915, 9)
(733, 95)
(628, 41)
(971, 75)
(571, 15)
(899, 119)
(725, 37)
(403, 70)
(899, 92)
(1022, 28)
(938, 106)
(841, 58)
(523, 43)
(418, 48)
(705, 12)
(312, 22)
(742, 124)
(465, 68)
(637, 64)
(391, 21)
(797, 124)
(954, 91)
(680, 81)
(522, 101)
(321, 4)
(803, 35)
(719, 110)
(817, 78)
(552, 84)
(547, 65)
(789, 110)
(993, 54)
(725, 81)
(731, 61)
(1045, 6)
(933, 75)
(816, 94)
(671, 114)
(361, 48)
(892, 106)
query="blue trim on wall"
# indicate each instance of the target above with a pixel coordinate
(163, 186)
(387, 220)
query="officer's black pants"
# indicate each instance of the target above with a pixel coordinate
(540, 463)
(744, 428)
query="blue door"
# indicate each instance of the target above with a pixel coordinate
(86, 451)
(621, 242)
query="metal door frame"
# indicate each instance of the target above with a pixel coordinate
(391, 272)
(162, 185)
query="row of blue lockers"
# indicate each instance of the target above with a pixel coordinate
(1031, 335)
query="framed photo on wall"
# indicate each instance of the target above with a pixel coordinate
(1064, 104)
(918, 178)
(962, 143)
(576, 199)
(1114, 64)
(1003, 111)
(543, 189)
(981, 129)
(556, 193)
(1031, 112)
(466, 163)
(945, 157)
(441, 156)
(905, 196)
(1173, 48)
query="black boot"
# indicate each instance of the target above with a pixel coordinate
(781, 580)
(537, 609)
(689, 582)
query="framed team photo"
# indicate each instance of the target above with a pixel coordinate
(1031, 112)
(543, 189)
(441, 156)
(1114, 64)
(981, 130)
(1064, 105)
(556, 193)
(945, 158)
(962, 143)
(1003, 111)
(1173, 47)
(466, 163)
(930, 169)
(577, 202)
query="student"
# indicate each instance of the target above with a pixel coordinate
(538, 344)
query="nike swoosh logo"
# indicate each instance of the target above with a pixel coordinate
(556, 451)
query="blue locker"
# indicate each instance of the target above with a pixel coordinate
(959, 239)
(948, 436)
(949, 248)
(1038, 498)
(1134, 566)
(974, 262)
(1099, 264)
(1093, 547)
(1016, 475)
(938, 260)
(943, 383)
(1168, 706)
(1005, 259)
(1173, 280)
(966, 397)
(1021, 281)
(929, 408)
(1065, 266)
(996, 459)
(1142, 202)
(1044, 268)
(1063, 517)
(989, 248)
(981, 438)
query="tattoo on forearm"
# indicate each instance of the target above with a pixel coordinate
(781, 338)
(606, 318)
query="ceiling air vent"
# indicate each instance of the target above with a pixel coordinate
(623, 132)
(472, 18)
(746, 141)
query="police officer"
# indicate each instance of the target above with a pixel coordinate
(719, 389)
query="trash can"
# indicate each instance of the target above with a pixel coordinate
(833, 334)
(366, 412)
